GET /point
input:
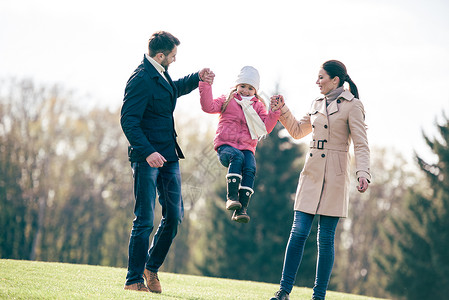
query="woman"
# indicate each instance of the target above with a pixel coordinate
(334, 120)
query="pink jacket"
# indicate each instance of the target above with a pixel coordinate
(232, 128)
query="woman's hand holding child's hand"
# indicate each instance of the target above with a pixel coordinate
(207, 75)
(277, 102)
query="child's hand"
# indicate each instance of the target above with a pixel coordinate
(210, 77)
(277, 102)
(207, 75)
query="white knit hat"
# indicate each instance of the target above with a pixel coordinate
(248, 75)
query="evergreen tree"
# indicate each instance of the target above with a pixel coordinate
(417, 263)
(255, 251)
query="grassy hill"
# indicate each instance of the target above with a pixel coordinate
(42, 280)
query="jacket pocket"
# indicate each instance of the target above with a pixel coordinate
(337, 162)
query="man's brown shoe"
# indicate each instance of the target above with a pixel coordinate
(152, 281)
(140, 286)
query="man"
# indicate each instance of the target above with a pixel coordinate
(148, 124)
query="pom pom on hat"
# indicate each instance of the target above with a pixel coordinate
(248, 75)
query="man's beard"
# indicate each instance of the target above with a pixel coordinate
(165, 64)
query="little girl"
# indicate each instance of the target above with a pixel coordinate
(243, 120)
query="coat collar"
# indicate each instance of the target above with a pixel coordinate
(155, 64)
(333, 106)
(347, 95)
(151, 70)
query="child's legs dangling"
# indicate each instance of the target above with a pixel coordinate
(248, 169)
(246, 188)
(233, 159)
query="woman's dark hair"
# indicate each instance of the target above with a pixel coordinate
(162, 42)
(337, 68)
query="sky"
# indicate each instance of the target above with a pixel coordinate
(397, 52)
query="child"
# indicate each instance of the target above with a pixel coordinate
(243, 120)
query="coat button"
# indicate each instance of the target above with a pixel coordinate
(338, 101)
(313, 126)
(323, 155)
(311, 154)
(325, 126)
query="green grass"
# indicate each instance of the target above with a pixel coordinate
(43, 280)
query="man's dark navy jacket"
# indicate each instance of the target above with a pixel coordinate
(147, 112)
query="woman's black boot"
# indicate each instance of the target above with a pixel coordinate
(280, 295)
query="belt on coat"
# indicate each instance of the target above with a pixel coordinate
(324, 144)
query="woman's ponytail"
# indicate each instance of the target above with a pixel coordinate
(352, 87)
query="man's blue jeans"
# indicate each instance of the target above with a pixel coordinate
(240, 162)
(147, 180)
(302, 224)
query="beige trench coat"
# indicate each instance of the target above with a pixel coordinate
(323, 186)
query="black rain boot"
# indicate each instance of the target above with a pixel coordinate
(280, 295)
(240, 215)
(233, 181)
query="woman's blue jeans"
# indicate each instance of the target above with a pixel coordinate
(302, 224)
(166, 181)
(240, 162)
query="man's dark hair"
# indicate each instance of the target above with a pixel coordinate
(162, 42)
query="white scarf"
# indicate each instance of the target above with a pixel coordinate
(255, 124)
